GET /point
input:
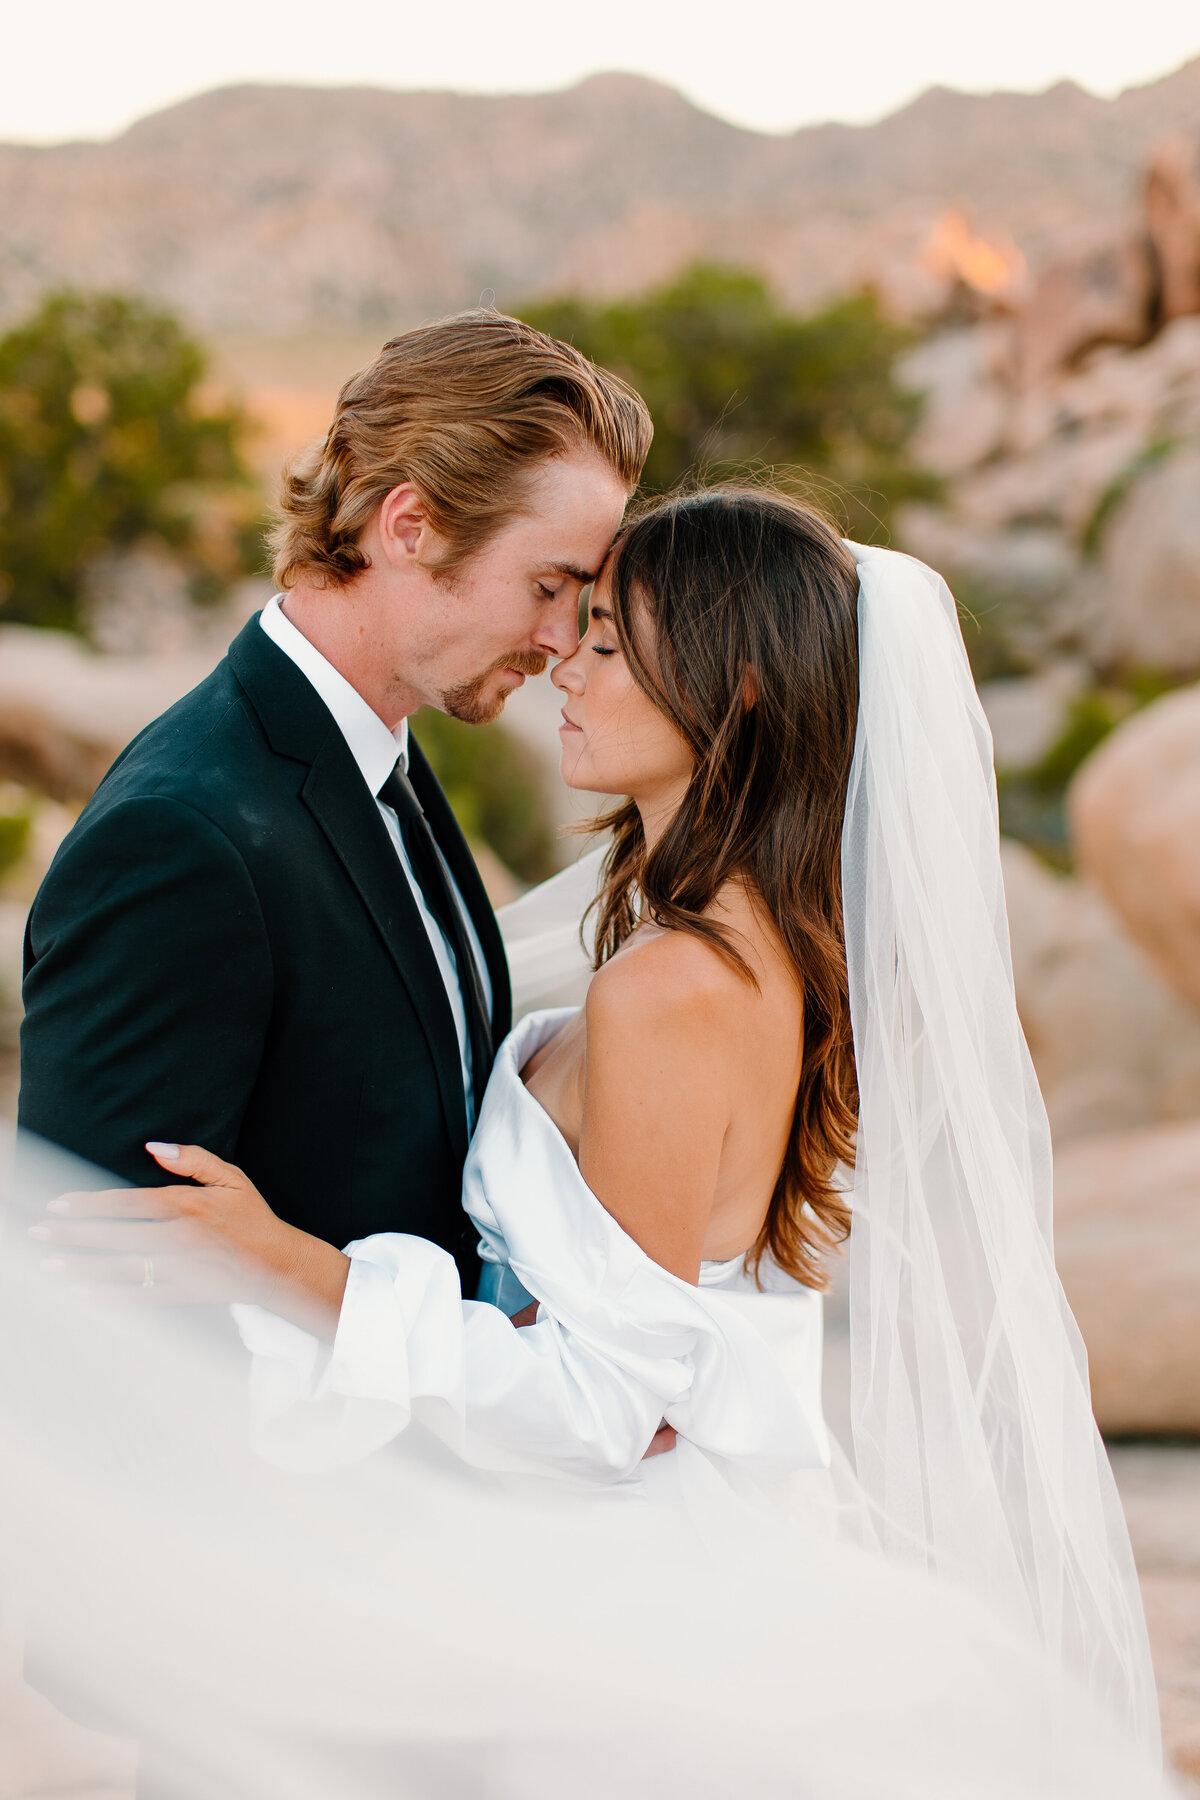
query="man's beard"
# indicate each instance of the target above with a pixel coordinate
(471, 701)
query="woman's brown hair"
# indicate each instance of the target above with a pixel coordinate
(463, 409)
(736, 609)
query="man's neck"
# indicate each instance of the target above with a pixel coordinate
(340, 629)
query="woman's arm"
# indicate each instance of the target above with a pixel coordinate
(216, 1241)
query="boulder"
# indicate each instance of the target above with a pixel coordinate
(1147, 609)
(1134, 815)
(1033, 561)
(966, 402)
(1113, 1046)
(1172, 208)
(1099, 290)
(1154, 389)
(1027, 713)
(1061, 483)
(65, 713)
(1127, 1244)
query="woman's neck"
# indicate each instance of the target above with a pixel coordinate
(657, 810)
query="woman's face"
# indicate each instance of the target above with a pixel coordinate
(614, 739)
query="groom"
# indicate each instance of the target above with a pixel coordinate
(266, 934)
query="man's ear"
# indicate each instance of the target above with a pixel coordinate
(404, 529)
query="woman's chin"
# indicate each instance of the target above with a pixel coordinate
(572, 775)
(577, 772)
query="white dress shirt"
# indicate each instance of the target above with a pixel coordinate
(376, 749)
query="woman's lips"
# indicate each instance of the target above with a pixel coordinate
(569, 724)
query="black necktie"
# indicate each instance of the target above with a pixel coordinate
(397, 792)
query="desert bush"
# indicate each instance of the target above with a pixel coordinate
(494, 784)
(738, 384)
(15, 828)
(109, 438)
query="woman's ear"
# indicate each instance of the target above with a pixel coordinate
(749, 690)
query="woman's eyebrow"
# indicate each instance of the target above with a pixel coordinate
(599, 612)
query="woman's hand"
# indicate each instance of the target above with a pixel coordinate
(214, 1241)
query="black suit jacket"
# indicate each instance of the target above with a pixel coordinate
(226, 952)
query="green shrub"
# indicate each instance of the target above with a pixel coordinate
(494, 784)
(108, 438)
(15, 828)
(736, 384)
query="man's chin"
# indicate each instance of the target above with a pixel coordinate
(481, 701)
(476, 703)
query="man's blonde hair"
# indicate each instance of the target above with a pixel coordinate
(463, 409)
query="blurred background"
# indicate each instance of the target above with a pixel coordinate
(964, 317)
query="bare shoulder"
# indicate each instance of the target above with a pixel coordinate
(666, 983)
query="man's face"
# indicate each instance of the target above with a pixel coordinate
(471, 638)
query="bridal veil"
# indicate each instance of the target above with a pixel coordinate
(974, 1441)
(975, 1453)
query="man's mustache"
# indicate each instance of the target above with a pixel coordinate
(525, 662)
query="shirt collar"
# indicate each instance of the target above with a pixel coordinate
(373, 746)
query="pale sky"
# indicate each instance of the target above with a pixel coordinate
(86, 68)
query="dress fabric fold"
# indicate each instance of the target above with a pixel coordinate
(619, 1344)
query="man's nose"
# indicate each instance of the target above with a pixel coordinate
(558, 628)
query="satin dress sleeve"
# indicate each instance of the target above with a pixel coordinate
(619, 1344)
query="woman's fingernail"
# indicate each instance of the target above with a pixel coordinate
(54, 1265)
(58, 1206)
(41, 1233)
(169, 1152)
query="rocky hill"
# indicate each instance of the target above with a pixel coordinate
(279, 210)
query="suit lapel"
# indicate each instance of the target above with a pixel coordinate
(349, 817)
(299, 725)
(454, 847)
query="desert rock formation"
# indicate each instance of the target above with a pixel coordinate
(1135, 818)
(1127, 1243)
(273, 209)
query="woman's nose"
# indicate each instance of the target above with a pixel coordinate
(568, 674)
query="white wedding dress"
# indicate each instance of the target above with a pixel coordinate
(619, 1345)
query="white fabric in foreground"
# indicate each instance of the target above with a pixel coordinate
(412, 1626)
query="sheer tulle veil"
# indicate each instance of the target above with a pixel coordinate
(974, 1440)
(974, 1450)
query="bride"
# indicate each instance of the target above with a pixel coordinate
(801, 967)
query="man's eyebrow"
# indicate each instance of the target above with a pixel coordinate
(584, 577)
